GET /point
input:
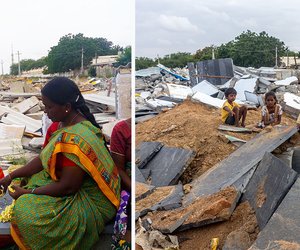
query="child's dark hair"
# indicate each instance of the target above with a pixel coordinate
(230, 91)
(271, 93)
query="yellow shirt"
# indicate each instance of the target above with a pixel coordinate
(224, 113)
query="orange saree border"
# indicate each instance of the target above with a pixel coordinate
(69, 148)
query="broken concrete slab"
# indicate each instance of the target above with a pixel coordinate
(33, 110)
(10, 116)
(146, 173)
(243, 85)
(143, 118)
(139, 176)
(254, 98)
(17, 87)
(179, 91)
(287, 81)
(37, 142)
(159, 104)
(237, 164)
(206, 88)
(142, 190)
(16, 95)
(291, 104)
(168, 165)
(203, 211)
(26, 105)
(161, 198)
(204, 98)
(296, 160)
(145, 151)
(267, 187)
(234, 129)
(283, 228)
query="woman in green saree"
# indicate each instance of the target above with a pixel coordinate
(74, 186)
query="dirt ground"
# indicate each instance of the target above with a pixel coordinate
(242, 219)
(194, 126)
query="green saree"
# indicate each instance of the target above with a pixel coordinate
(75, 221)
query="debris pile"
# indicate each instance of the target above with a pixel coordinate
(233, 181)
(23, 123)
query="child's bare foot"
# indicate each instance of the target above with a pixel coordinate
(243, 125)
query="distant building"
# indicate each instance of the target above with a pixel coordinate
(33, 72)
(290, 62)
(104, 65)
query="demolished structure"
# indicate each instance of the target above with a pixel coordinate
(233, 184)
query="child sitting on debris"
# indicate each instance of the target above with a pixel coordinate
(271, 112)
(232, 112)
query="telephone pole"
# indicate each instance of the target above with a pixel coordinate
(81, 60)
(12, 55)
(19, 65)
(2, 66)
(213, 53)
(276, 66)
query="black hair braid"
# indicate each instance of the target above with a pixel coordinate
(84, 109)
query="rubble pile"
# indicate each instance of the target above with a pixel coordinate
(23, 123)
(235, 181)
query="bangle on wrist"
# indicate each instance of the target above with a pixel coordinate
(32, 190)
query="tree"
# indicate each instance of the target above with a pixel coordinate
(28, 64)
(252, 49)
(179, 59)
(204, 54)
(66, 55)
(125, 57)
(144, 62)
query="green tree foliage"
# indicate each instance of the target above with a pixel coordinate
(125, 57)
(28, 64)
(250, 49)
(66, 55)
(144, 62)
(179, 59)
(204, 54)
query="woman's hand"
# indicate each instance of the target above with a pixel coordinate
(4, 183)
(18, 191)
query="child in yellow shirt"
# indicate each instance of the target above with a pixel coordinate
(232, 112)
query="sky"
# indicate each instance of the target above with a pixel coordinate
(32, 27)
(169, 26)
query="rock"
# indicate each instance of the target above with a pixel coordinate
(237, 240)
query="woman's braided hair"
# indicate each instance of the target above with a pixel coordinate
(62, 90)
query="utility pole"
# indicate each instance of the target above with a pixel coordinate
(12, 55)
(82, 60)
(213, 53)
(157, 58)
(19, 66)
(276, 66)
(287, 58)
(2, 66)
